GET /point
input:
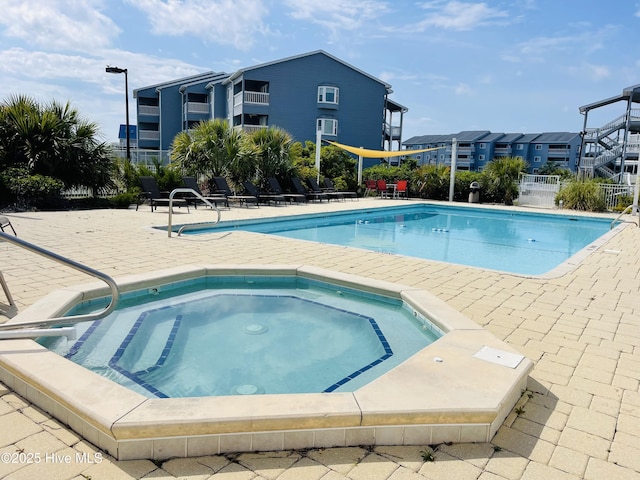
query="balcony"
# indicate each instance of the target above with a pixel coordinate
(149, 135)
(257, 98)
(197, 107)
(392, 132)
(148, 110)
(250, 128)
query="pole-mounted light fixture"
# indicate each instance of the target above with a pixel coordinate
(118, 70)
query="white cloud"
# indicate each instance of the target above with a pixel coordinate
(590, 71)
(455, 15)
(61, 25)
(462, 89)
(337, 15)
(225, 22)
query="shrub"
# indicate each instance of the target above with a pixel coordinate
(582, 194)
(32, 191)
(123, 200)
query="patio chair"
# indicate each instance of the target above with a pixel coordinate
(216, 199)
(381, 187)
(370, 186)
(262, 197)
(330, 187)
(331, 195)
(297, 184)
(151, 192)
(274, 184)
(402, 189)
(223, 187)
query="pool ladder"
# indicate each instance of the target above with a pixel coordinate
(195, 225)
(39, 328)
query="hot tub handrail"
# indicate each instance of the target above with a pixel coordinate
(184, 227)
(115, 292)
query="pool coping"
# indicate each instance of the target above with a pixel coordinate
(448, 395)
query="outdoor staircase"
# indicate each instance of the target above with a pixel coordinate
(607, 145)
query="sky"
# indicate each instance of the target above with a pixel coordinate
(505, 66)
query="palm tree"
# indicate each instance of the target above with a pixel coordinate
(502, 177)
(272, 146)
(54, 141)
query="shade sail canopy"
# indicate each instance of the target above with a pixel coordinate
(363, 152)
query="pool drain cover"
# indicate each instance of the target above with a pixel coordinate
(255, 329)
(247, 389)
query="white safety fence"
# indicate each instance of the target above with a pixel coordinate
(541, 191)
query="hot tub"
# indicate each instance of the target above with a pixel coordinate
(457, 389)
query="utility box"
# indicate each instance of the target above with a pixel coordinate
(474, 192)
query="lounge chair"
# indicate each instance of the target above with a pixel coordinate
(330, 187)
(262, 197)
(223, 187)
(216, 199)
(297, 184)
(151, 191)
(331, 195)
(4, 223)
(274, 184)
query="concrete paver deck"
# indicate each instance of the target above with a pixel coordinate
(580, 418)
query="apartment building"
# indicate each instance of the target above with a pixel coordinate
(476, 148)
(300, 94)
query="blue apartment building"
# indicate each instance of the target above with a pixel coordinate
(476, 148)
(300, 94)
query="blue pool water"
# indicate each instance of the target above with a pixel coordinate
(247, 335)
(516, 242)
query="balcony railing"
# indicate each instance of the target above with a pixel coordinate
(250, 128)
(149, 135)
(259, 98)
(148, 110)
(197, 107)
(392, 131)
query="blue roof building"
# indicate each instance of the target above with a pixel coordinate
(476, 148)
(299, 94)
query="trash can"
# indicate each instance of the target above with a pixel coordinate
(474, 192)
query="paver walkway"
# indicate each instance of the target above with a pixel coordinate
(579, 420)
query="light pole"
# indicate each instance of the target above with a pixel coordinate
(126, 99)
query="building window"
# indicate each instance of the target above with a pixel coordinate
(483, 145)
(481, 158)
(537, 159)
(538, 147)
(328, 95)
(328, 126)
(519, 147)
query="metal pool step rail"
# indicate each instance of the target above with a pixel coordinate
(185, 227)
(39, 328)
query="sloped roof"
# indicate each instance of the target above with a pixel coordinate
(492, 137)
(190, 80)
(471, 135)
(528, 137)
(511, 137)
(555, 137)
(630, 93)
(309, 54)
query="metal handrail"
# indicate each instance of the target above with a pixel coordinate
(630, 207)
(115, 293)
(184, 227)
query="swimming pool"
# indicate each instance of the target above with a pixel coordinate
(515, 242)
(246, 335)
